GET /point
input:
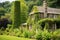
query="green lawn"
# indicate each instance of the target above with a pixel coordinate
(5, 37)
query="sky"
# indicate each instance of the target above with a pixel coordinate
(6, 0)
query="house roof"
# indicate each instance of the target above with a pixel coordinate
(49, 10)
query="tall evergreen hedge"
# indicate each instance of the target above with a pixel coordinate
(16, 14)
(19, 11)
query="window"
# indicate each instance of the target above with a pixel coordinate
(55, 16)
(41, 15)
(50, 15)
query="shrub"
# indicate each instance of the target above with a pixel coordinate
(43, 35)
(17, 32)
(15, 10)
(56, 35)
(39, 35)
(1, 32)
(27, 34)
(46, 35)
(11, 32)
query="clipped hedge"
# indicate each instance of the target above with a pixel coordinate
(51, 20)
(45, 20)
(16, 14)
(48, 20)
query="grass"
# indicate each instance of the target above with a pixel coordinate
(5, 37)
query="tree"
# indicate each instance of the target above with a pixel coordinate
(19, 15)
(31, 3)
(16, 14)
(24, 11)
(2, 11)
(54, 3)
(51, 3)
(5, 7)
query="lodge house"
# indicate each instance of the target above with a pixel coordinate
(51, 13)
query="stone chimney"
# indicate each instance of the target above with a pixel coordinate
(45, 8)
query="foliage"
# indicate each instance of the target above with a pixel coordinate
(16, 14)
(31, 3)
(43, 35)
(5, 8)
(46, 20)
(27, 34)
(10, 31)
(46, 27)
(39, 35)
(37, 18)
(46, 35)
(54, 3)
(24, 11)
(56, 35)
(19, 14)
(22, 16)
(17, 32)
(51, 20)
(51, 3)
(35, 9)
(2, 11)
(36, 2)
